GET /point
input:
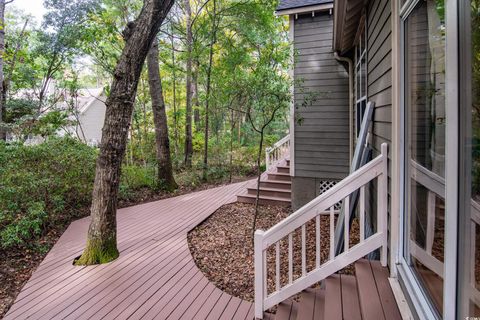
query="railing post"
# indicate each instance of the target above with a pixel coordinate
(382, 204)
(259, 274)
(267, 158)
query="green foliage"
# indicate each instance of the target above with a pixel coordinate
(42, 184)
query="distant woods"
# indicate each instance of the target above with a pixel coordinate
(208, 54)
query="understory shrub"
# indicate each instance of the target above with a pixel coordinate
(42, 185)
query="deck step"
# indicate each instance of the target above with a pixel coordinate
(271, 192)
(283, 169)
(277, 184)
(264, 200)
(366, 295)
(275, 187)
(279, 176)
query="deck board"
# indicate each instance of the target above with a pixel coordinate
(154, 277)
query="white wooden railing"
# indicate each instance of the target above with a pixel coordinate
(279, 151)
(435, 186)
(322, 205)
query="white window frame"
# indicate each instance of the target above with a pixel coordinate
(359, 113)
(422, 306)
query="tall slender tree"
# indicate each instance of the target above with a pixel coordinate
(162, 142)
(139, 35)
(188, 111)
(2, 51)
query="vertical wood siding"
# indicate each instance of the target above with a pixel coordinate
(321, 129)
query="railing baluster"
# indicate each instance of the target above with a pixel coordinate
(362, 214)
(304, 251)
(265, 286)
(290, 258)
(332, 232)
(317, 241)
(347, 223)
(277, 266)
(430, 221)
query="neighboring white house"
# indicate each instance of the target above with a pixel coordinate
(89, 115)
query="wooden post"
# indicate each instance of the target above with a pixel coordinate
(382, 204)
(267, 159)
(259, 274)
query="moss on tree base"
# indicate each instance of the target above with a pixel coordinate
(98, 252)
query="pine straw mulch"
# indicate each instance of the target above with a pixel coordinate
(222, 247)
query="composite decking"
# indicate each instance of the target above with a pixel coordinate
(154, 277)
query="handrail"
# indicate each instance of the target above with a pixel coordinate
(277, 152)
(322, 205)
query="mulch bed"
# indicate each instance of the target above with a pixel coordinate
(222, 247)
(16, 266)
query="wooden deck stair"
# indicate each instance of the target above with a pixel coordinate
(275, 187)
(366, 296)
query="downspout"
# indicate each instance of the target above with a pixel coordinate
(350, 98)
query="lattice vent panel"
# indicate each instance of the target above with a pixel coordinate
(324, 186)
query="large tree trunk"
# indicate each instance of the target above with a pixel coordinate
(188, 111)
(165, 171)
(139, 35)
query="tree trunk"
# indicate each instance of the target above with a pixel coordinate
(164, 162)
(3, 131)
(188, 111)
(207, 98)
(174, 88)
(259, 176)
(232, 128)
(195, 100)
(139, 35)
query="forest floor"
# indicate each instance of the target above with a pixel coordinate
(16, 266)
(222, 247)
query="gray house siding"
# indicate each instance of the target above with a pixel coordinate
(321, 130)
(379, 88)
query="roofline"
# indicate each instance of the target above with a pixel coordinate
(305, 9)
(338, 19)
(94, 98)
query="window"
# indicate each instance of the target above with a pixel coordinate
(360, 78)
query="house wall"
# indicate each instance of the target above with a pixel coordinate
(379, 88)
(321, 130)
(92, 122)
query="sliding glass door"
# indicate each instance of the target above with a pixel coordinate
(469, 211)
(424, 123)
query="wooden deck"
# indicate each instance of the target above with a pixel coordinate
(154, 277)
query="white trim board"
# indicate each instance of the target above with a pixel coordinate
(318, 7)
(400, 299)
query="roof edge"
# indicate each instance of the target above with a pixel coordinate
(304, 9)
